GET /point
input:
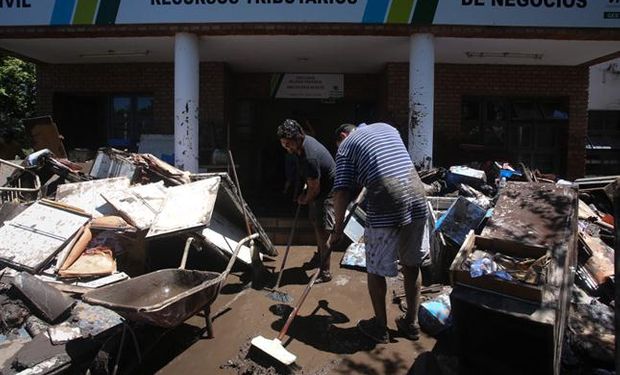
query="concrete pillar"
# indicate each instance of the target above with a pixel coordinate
(186, 89)
(421, 98)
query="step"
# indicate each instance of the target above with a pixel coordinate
(279, 228)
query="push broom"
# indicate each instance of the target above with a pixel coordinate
(274, 348)
(276, 294)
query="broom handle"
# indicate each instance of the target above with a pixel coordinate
(288, 245)
(293, 313)
(245, 214)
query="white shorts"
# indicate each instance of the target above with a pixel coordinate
(385, 247)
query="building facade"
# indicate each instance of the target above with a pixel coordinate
(464, 80)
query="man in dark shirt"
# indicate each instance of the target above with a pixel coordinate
(317, 167)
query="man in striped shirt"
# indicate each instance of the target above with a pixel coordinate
(374, 156)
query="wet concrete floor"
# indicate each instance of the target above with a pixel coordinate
(323, 336)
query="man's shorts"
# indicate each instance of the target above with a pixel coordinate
(386, 246)
(321, 213)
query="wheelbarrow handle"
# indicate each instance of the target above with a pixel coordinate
(236, 252)
(188, 242)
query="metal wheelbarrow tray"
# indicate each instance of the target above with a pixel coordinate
(165, 298)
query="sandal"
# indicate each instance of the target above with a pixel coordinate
(373, 330)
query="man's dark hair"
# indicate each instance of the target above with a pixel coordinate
(290, 129)
(344, 128)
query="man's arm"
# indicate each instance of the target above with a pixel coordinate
(341, 200)
(312, 191)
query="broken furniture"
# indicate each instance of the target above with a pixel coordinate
(87, 195)
(21, 184)
(229, 209)
(44, 134)
(137, 167)
(459, 219)
(595, 268)
(460, 273)
(355, 254)
(186, 207)
(490, 321)
(43, 229)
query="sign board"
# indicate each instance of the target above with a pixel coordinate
(308, 86)
(532, 13)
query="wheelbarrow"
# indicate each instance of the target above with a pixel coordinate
(168, 297)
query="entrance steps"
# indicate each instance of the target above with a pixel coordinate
(279, 228)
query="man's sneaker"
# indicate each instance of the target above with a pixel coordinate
(408, 330)
(373, 330)
(324, 277)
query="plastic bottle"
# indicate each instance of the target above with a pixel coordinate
(502, 182)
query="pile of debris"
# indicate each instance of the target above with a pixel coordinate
(75, 228)
(506, 239)
(79, 242)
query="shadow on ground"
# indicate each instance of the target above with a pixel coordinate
(319, 331)
(441, 360)
(157, 347)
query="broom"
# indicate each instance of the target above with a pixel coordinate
(274, 348)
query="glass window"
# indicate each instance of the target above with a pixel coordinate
(496, 111)
(470, 110)
(525, 136)
(495, 134)
(144, 114)
(554, 111)
(121, 111)
(525, 111)
(130, 116)
(531, 130)
(545, 135)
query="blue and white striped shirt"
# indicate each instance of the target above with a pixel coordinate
(375, 157)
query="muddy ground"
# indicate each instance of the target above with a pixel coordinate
(323, 336)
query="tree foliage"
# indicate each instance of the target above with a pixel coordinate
(17, 92)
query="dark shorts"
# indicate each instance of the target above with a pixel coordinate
(321, 213)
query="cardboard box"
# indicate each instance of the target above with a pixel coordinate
(514, 288)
